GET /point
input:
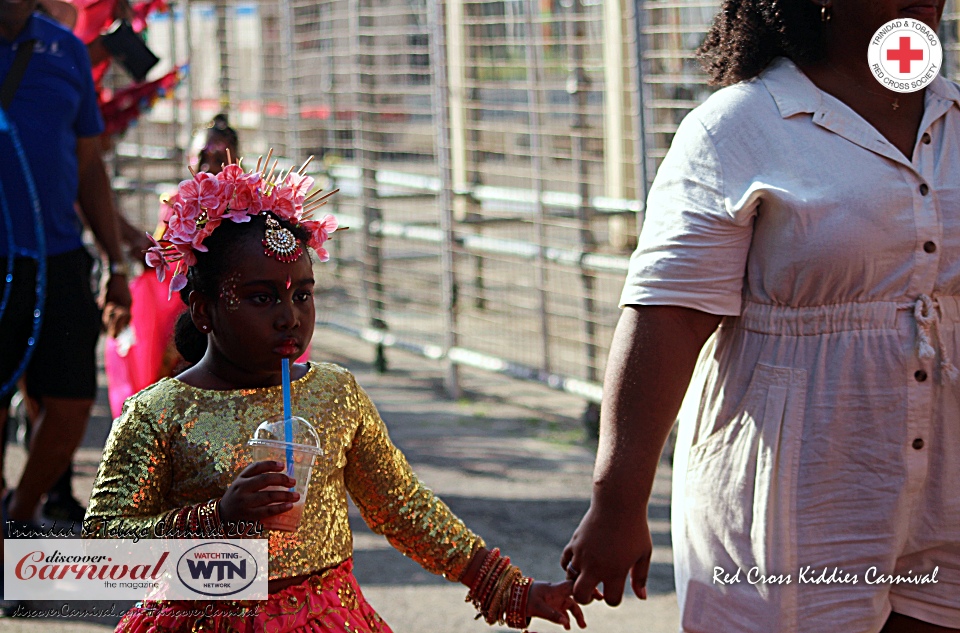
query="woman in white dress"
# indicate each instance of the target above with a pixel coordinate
(798, 278)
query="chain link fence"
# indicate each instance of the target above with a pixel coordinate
(492, 156)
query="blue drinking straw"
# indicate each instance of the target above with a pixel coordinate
(287, 414)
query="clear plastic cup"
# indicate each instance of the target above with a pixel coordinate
(268, 444)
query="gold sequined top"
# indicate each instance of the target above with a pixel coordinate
(175, 445)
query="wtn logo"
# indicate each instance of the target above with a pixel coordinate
(218, 569)
(224, 568)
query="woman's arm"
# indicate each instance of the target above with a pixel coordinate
(652, 357)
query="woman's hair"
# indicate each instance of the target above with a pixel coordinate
(212, 267)
(748, 34)
(218, 132)
(220, 128)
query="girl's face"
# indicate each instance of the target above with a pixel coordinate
(264, 313)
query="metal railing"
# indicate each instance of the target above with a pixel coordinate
(492, 156)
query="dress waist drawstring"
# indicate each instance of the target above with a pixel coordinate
(926, 312)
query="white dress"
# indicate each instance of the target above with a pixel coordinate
(819, 443)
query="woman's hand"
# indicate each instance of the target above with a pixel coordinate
(247, 500)
(552, 601)
(115, 302)
(603, 550)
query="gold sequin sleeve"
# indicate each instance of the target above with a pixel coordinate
(134, 474)
(396, 504)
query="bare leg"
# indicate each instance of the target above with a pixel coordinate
(897, 623)
(55, 437)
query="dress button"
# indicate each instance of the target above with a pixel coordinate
(929, 247)
(920, 375)
(924, 189)
(925, 138)
(918, 443)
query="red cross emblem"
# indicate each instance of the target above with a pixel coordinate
(905, 55)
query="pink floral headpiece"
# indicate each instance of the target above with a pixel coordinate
(202, 203)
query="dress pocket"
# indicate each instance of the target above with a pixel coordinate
(742, 476)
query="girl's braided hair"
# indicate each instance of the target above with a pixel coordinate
(747, 35)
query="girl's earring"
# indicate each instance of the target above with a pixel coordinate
(825, 12)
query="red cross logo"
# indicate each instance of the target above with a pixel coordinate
(905, 54)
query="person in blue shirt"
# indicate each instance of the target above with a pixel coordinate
(56, 119)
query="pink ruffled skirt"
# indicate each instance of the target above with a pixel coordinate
(327, 602)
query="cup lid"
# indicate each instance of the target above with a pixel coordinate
(272, 432)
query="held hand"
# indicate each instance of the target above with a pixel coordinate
(551, 601)
(115, 301)
(603, 549)
(246, 499)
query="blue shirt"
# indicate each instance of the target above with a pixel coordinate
(54, 105)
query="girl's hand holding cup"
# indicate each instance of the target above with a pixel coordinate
(246, 500)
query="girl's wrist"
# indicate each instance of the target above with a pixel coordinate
(498, 590)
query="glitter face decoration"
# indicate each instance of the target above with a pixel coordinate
(289, 282)
(279, 243)
(228, 292)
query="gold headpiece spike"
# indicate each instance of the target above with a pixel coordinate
(275, 162)
(192, 171)
(266, 163)
(316, 192)
(304, 166)
(229, 157)
(319, 202)
(259, 160)
(308, 213)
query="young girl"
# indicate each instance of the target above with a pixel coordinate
(176, 462)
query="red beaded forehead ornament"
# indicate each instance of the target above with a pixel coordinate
(202, 203)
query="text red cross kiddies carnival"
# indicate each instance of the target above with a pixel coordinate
(905, 54)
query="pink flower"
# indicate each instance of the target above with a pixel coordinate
(203, 233)
(284, 206)
(182, 227)
(166, 207)
(226, 195)
(300, 185)
(178, 283)
(203, 191)
(232, 173)
(246, 200)
(187, 257)
(156, 258)
(238, 215)
(320, 231)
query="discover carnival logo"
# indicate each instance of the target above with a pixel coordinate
(905, 55)
(121, 569)
(217, 569)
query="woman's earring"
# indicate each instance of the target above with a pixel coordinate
(825, 12)
(204, 328)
